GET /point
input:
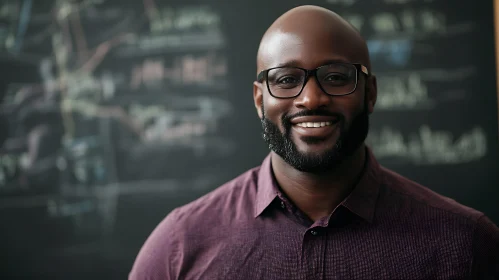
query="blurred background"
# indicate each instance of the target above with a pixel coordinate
(114, 112)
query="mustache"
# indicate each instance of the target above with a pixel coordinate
(319, 112)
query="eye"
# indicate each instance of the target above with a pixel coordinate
(336, 79)
(288, 80)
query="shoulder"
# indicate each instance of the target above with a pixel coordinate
(153, 259)
(188, 225)
(485, 263)
(457, 231)
(416, 196)
(235, 196)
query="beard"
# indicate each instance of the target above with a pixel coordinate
(348, 142)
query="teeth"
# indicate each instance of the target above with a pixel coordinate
(313, 124)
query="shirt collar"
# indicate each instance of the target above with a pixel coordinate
(361, 201)
(267, 187)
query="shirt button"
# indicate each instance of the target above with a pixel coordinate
(283, 206)
(313, 232)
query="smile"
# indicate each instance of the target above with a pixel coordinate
(314, 124)
(315, 129)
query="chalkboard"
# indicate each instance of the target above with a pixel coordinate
(115, 112)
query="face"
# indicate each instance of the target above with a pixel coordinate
(345, 143)
(343, 120)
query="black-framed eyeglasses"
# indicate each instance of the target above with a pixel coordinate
(334, 79)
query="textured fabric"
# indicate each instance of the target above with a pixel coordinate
(387, 228)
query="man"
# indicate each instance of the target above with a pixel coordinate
(320, 206)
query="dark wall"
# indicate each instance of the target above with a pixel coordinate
(115, 113)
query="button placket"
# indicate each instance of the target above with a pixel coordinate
(313, 251)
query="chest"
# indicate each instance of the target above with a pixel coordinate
(325, 254)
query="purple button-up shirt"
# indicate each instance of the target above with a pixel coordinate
(387, 228)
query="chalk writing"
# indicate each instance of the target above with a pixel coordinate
(403, 92)
(185, 70)
(162, 124)
(401, 2)
(9, 14)
(80, 80)
(436, 74)
(342, 2)
(178, 29)
(8, 166)
(57, 208)
(397, 1)
(163, 43)
(413, 23)
(183, 19)
(83, 85)
(409, 21)
(9, 10)
(409, 90)
(427, 146)
(160, 131)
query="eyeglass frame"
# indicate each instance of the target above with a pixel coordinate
(263, 75)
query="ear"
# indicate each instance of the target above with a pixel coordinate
(258, 98)
(372, 92)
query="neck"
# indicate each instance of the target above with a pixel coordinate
(317, 195)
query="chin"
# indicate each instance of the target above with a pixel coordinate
(316, 147)
(315, 151)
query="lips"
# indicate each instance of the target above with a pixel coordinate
(304, 119)
(315, 126)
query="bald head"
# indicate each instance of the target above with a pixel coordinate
(308, 34)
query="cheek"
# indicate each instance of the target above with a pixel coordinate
(351, 109)
(272, 102)
(275, 109)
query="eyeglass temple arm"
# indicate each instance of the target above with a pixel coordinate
(260, 76)
(364, 69)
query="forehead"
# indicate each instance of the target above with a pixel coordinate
(306, 49)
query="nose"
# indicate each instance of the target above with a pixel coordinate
(312, 97)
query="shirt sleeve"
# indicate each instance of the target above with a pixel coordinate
(485, 262)
(155, 259)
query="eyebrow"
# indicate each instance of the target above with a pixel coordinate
(296, 63)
